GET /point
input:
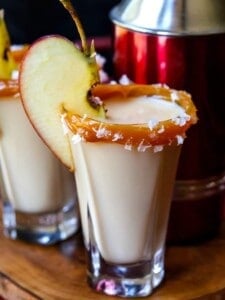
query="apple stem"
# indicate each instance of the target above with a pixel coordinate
(69, 7)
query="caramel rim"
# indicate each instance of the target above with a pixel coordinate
(163, 133)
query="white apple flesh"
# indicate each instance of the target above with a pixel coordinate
(55, 76)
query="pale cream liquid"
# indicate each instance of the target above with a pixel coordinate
(127, 192)
(34, 180)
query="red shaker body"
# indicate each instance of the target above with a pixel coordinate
(195, 64)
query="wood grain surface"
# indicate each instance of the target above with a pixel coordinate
(31, 272)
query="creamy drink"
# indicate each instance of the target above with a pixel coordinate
(118, 179)
(122, 201)
(125, 178)
(38, 193)
(33, 177)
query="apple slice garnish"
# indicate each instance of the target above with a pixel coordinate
(55, 77)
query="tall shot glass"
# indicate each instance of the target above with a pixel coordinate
(38, 193)
(125, 170)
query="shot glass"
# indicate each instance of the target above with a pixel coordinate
(38, 193)
(125, 171)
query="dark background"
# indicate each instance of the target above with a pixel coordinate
(28, 20)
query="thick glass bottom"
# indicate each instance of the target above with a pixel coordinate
(124, 280)
(42, 228)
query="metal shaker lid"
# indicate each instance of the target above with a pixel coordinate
(171, 17)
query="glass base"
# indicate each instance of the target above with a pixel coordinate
(42, 228)
(124, 280)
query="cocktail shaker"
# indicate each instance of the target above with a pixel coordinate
(182, 43)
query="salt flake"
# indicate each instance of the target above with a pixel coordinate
(76, 138)
(152, 123)
(117, 136)
(158, 148)
(180, 139)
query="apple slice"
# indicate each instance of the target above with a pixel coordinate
(55, 77)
